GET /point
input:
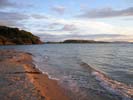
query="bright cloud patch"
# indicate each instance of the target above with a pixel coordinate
(79, 28)
(106, 12)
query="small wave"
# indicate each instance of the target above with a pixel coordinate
(46, 73)
(113, 86)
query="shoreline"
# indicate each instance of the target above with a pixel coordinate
(47, 89)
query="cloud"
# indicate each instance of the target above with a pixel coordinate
(80, 26)
(9, 4)
(59, 9)
(54, 25)
(39, 16)
(6, 3)
(69, 27)
(12, 18)
(106, 12)
(58, 29)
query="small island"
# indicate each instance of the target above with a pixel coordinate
(14, 36)
(77, 41)
(83, 41)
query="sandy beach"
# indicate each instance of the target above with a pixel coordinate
(21, 80)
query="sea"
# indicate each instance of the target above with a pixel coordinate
(86, 71)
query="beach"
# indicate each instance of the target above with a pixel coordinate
(21, 80)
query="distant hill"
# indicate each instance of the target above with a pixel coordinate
(9, 36)
(83, 41)
(77, 41)
(86, 41)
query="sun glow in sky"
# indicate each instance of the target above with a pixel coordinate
(56, 20)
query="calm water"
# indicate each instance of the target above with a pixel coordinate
(87, 70)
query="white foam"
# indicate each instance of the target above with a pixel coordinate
(53, 78)
(115, 87)
(46, 73)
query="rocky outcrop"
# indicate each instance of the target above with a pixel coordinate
(12, 36)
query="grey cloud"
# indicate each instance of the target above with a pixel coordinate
(62, 27)
(51, 27)
(54, 26)
(106, 12)
(12, 19)
(12, 16)
(12, 24)
(59, 9)
(8, 23)
(38, 16)
(68, 27)
(6, 3)
(10, 4)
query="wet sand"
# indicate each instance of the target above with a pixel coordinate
(20, 80)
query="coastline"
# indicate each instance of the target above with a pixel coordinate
(44, 87)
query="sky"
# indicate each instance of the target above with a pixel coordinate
(57, 20)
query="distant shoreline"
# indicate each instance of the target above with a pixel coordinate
(86, 42)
